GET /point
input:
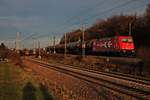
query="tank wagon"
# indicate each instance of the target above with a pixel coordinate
(117, 45)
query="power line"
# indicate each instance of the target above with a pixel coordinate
(108, 10)
(62, 26)
(29, 36)
(81, 13)
(18, 41)
(103, 12)
(111, 9)
(77, 17)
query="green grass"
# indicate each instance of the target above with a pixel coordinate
(15, 84)
(8, 88)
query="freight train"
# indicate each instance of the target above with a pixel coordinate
(117, 45)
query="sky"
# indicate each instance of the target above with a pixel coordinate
(40, 20)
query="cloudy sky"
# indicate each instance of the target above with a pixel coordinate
(39, 19)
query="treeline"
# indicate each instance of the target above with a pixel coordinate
(117, 25)
(4, 52)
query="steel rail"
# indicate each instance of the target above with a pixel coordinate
(103, 80)
(137, 79)
(117, 75)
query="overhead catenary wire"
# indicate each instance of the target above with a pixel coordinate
(82, 13)
(106, 11)
(102, 13)
(62, 26)
(111, 9)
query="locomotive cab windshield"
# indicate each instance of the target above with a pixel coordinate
(126, 44)
(127, 40)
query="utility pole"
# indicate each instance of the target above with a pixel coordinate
(83, 42)
(39, 50)
(17, 43)
(9, 44)
(49, 41)
(65, 45)
(130, 28)
(49, 44)
(23, 46)
(33, 42)
(54, 43)
(34, 46)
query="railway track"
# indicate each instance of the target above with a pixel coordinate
(138, 88)
(117, 75)
(138, 79)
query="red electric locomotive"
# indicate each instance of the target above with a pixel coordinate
(119, 45)
(115, 45)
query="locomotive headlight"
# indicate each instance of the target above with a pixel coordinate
(124, 50)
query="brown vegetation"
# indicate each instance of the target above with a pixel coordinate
(117, 25)
(12, 55)
(4, 52)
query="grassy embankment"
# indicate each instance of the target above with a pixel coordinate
(15, 84)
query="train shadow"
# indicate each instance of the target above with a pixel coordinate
(29, 92)
(45, 92)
